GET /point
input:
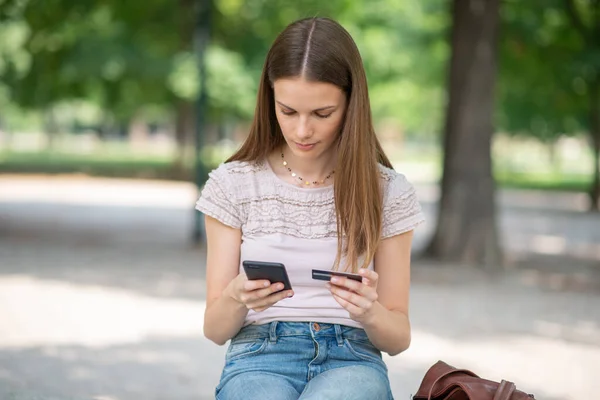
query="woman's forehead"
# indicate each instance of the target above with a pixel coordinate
(300, 93)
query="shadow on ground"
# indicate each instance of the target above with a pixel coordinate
(546, 305)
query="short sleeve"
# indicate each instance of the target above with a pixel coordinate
(218, 200)
(401, 209)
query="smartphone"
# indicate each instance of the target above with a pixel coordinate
(271, 271)
(323, 275)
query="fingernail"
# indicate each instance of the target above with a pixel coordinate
(290, 294)
(267, 284)
(279, 287)
(362, 271)
(335, 279)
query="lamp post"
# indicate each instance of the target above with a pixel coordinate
(201, 39)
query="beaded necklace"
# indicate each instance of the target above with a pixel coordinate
(307, 183)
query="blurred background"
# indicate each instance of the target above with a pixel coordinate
(112, 113)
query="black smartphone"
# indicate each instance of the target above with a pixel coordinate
(271, 271)
(323, 275)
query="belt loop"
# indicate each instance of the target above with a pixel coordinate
(273, 332)
(338, 334)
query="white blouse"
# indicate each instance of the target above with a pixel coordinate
(296, 226)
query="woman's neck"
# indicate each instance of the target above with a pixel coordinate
(313, 169)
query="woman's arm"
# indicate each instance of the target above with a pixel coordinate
(381, 302)
(224, 316)
(389, 326)
(229, 294)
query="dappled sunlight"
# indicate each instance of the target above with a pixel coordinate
(43, 312)
(545, 200)
(112, 115)
(582, 281)
(547, 240)
(548, 244)
(114, 343)
(165, 367)
(529, 361)
(73, 190)
(102, 295)
(581, 331)
(101, 342)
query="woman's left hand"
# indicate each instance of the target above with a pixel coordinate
(356, 297)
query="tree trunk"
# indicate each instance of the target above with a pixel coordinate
(202, 36)
(594, 192)
(466, 229)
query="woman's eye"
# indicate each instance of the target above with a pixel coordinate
(287, 112)
(324, 115)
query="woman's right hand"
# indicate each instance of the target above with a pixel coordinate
(256, 295)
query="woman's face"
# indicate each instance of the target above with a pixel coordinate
(310, 115)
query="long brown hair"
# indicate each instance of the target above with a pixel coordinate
(320, 49)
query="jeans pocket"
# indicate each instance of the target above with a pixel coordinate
(364, 350)
(242, 348)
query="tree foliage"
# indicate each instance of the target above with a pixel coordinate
(122, 56)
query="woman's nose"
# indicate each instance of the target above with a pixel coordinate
(303, 130)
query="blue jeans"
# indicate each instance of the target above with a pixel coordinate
(302, 360)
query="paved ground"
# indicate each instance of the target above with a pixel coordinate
(102, 297)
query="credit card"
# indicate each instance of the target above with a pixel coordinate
(323, 275)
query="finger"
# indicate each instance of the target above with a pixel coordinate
(346, 282)
(369, 277)
(266, 302)
(352, 297)
(258, 294)
(256, 284)
(351, 308)
(357, 287)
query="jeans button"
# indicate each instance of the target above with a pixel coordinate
(316, 327)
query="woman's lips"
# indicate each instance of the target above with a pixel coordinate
(305, 147)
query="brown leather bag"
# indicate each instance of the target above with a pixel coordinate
(444, 382)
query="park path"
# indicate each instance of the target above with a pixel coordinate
(102, 296)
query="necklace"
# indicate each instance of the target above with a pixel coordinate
(307, 183)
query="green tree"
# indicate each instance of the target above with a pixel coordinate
(122, 56)
(550, 73)
(400, 43)
(467, 230)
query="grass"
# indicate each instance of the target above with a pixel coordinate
(544, 181)
(123, 164)
(92, 164)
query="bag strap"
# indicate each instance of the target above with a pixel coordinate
(445, 374)
(505, 390)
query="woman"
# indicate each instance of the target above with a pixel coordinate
(310, 188)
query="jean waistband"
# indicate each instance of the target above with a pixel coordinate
(276, 329)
